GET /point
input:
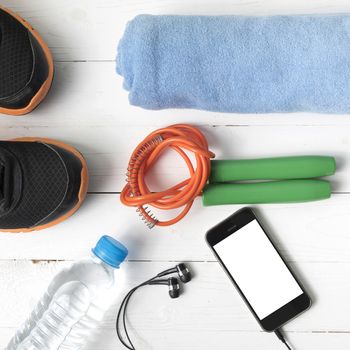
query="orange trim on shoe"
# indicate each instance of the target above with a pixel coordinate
(41, 94)
(82, 190)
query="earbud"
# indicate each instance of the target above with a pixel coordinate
(174, 287)
(173, 283)
(174, 292)
(184, 273)
(181, 269)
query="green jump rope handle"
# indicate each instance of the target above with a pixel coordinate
(283, 168)
(287, 191)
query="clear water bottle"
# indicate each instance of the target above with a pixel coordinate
(74, 303)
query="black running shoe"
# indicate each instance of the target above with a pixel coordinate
(26, 65)
(42, 182)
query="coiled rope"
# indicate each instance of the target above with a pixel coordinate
(181, 138)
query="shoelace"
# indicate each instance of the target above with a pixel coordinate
(5, 183)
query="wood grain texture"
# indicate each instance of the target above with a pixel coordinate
(199, 340)
(311, 232)
(88, 108)
(107, 148)
(208, 305)
(94, 26)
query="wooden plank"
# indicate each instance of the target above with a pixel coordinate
(108, 144)
(91, 94)
(209, 304)
(316, 231)
(221, 340)
(90, 30)
(197, 340)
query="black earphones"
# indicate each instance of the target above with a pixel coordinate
(173, 283)
(174, 292)
(181, 269)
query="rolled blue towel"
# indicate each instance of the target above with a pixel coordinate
(238, 64)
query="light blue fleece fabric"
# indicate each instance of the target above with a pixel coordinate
(238, 64)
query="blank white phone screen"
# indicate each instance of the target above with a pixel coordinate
(257, 269)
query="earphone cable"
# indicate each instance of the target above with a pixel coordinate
(121, 339)
(122, 309)
(287, 345)
(282, 339)
(124, 318)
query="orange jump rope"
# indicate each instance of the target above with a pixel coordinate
(229, 180)
(178, 137)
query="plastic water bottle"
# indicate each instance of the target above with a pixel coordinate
(74, 303)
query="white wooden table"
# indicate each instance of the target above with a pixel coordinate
(88, 108)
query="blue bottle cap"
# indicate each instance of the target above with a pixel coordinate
(110, 251)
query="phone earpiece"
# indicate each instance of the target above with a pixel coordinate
(181, 269)
(172, 283)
